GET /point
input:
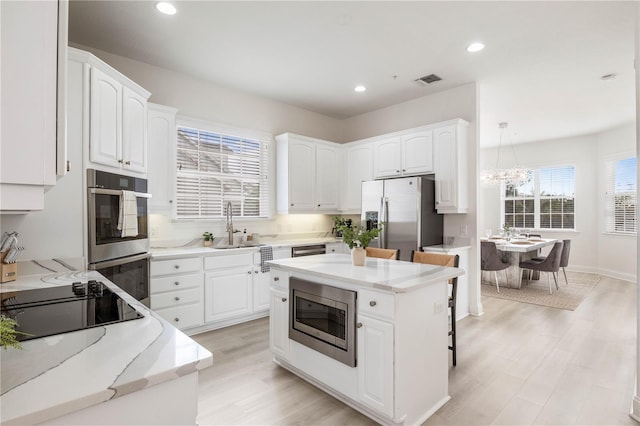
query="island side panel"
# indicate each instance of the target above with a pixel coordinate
(421, 352)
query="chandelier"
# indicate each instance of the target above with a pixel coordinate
(515, 176)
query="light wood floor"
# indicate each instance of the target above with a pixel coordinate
(518, 364)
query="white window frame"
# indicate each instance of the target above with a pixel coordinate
(609, 178)
(536, 199)
(267, 182)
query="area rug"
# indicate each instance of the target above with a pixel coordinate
(537, 292)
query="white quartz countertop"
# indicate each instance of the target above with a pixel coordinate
(177, 252)
(57, 375)
(445, 248)
(391, 275)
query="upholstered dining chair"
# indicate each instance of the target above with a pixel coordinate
(490, 260)
(564, 258)
(443, 260)
(550, 264)
(381, 253)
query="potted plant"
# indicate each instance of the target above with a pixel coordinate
(208, 239)
(8, 333)
(358, 239)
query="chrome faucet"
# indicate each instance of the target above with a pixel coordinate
(230, 222)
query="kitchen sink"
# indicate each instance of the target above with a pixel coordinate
(235, 246)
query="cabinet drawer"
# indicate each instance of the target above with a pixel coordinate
(381, 305)
(175, 282)
(183, 316)
(228, 261)
(176, 298)
(176, 266)
(280, 280)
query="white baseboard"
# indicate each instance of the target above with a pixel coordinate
(604, 272)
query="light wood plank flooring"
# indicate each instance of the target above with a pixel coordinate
(518, 364)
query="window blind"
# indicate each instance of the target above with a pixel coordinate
(215, 168)
(621, 195)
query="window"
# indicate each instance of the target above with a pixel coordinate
(545, 202)
(215, 168)
(621, 195)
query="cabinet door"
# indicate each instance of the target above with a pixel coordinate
(161, 136)
(327, 171)
(375, 364)
(359, 166)
(227, 294)
(106, 120)
(134, 131)
(444, 141)
(302, 176)
(387, 158)
(260, 289)
(417, 153)
(279, 324)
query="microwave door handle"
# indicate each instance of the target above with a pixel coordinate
(103, 191)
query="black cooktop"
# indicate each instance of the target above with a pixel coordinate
(54, 310)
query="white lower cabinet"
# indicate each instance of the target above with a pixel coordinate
(228, 294)
(279, 323)
(177, 291)
(375, 364)
(338, 247)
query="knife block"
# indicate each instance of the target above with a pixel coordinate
(8, 271)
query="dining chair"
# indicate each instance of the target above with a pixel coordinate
(490, 260)
(550, 264)
(443, 260)
(381, 253)
(564, 258)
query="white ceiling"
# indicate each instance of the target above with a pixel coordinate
(540, 70)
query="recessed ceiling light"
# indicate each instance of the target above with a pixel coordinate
(475, 47)
(166, 8)
(360, 88)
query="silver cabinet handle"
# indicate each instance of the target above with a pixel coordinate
(372, 303)
(359, 325)
(276, 278)
(176, 266)
(318, 205)
(256, 271)
(397, 171)
(176, 298)
(120, 161)
(128, 163)
(176, 319)
(177, 283)
(249, 272)
(404, 170)
(284, 299)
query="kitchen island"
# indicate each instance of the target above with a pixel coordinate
(397, 325)
(141, 371)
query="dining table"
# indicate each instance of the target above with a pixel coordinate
(514, 251)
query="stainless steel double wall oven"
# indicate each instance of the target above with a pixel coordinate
(122, 260)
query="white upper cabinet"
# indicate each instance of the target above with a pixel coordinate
(308, 174)
(161, 135)
(359, 168)
(388, 158)
(450, 153)
(116, 108)
(417, 153)
(29, 79)
(134, 131)
(106, 119)
(404, 155)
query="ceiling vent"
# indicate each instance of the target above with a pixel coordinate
(428, 79)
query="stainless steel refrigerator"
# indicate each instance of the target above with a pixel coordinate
(406, 207)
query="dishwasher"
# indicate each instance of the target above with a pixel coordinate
(309, 250)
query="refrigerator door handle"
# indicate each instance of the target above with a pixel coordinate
(381, 221)
(384, 217)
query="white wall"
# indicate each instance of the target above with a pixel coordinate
(208, 101)
(591, 249)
